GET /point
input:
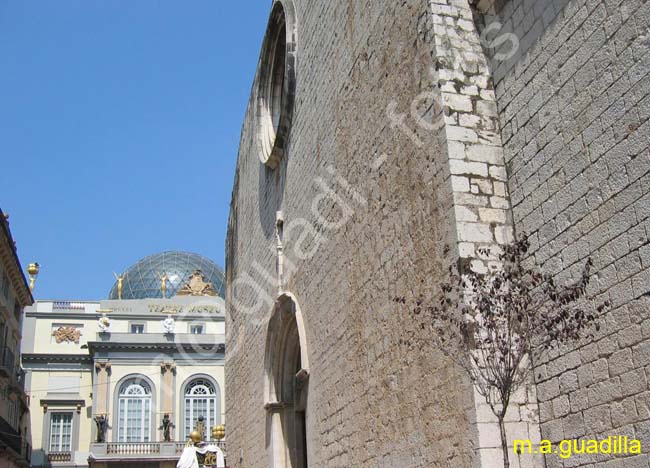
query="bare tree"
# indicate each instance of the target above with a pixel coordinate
(495, 325)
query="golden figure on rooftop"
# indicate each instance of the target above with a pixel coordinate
(120, 284)
(163, 283)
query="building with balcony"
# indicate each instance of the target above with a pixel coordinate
(14, 296)
(123, 381)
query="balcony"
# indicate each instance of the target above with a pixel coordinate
(133, 448)
(11, 438)
(142, 450)
(8, 363)
(59, 457)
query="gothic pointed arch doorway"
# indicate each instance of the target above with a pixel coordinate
(287, 386)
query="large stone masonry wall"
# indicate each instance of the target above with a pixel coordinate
(574, 104)
(482, 217)
(367, 205)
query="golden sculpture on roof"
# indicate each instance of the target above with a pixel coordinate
(163, 283)
(197, 286)
(120, 284)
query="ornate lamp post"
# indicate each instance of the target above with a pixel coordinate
(32, 271)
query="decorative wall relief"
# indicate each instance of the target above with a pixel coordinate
(67, 334)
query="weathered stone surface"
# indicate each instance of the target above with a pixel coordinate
(357, 231)
(377, 183)
(573, 139)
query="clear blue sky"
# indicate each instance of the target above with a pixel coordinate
(119, 127)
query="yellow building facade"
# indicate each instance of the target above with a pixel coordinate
(14, 296)
(122, 382)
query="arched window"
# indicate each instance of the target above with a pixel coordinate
(200, 400)
(134, 410)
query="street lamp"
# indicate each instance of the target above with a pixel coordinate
(32, 270)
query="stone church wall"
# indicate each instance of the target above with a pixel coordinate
(574, 104)
(394, 157)
(366, 202)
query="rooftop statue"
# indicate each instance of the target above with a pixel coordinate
(197, 286)
(163, 284)
(104, 324)
(120, 284)
(168, 324)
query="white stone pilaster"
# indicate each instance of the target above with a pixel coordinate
(480, 197)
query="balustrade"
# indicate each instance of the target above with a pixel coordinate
(59, 456)
(129, 448)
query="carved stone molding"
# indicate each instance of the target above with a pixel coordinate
(167, 367)
(197, 285)
(302, 378)
(277, 405)
(103, 365)
(67, 335)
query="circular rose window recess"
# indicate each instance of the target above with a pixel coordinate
(276, 84)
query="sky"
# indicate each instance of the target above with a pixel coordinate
(119, 127)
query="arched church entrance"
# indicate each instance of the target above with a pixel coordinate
(287, 386)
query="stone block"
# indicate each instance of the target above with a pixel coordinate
(468, 168)
(458, 102)
(503, 235)
(499, 202)
(633, 382)
(463, 134)
(488, 436)
(605, 391)
(491, 215)
(459, 184)
(483, 186)
(499, 173)
(561, 406)
(485, 153)
(620, 362)
(623, 412)
(474, 232)
(598, 419)
(466, 249)
(465, 214)
(469, 199)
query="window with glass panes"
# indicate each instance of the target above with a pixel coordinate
(200, 400)
(134, 412)
(60, 432)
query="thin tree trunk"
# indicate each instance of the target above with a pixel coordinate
(504, 441)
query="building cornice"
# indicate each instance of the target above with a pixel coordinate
(118, 316)
(98, 346)
(9, 258)
(158, 342)
(62, 358)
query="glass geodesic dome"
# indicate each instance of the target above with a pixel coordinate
(142, 280)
